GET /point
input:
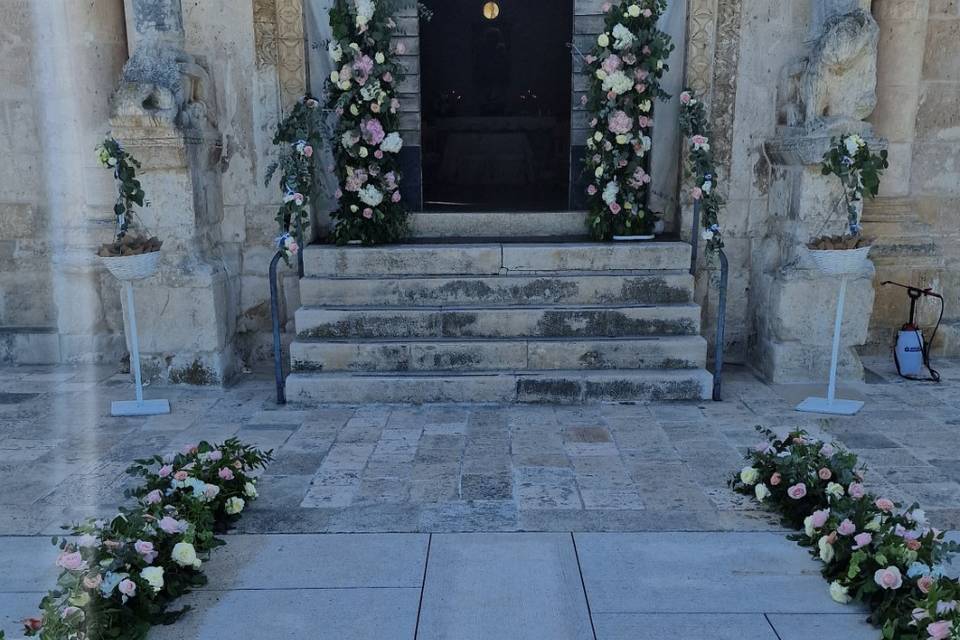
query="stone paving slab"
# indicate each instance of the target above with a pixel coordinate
(839, 626)
(705, 626)
(343, 614)
(27, 564)
(700, 573)
(330, 561)
(504, 586)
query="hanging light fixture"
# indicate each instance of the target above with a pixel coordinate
(491, 10)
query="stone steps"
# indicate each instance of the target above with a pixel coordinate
(627, 287)
(544, 354)
(508, 386)
(497, 322)
(513, 224)
(492, 259)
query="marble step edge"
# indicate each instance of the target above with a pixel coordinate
(498, 354)
(527, 224)
(564, 387)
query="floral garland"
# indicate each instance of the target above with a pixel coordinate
(299, 135)
(118, 578)
(890, 560)
(625, 70)
(362, 90)
(701, 168)
(859, 170)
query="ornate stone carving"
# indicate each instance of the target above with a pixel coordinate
(280, 41)
(834, 88)
(161, 84)
(702, 27)
(265, 31)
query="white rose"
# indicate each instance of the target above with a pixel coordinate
(392, 143)
(633, 10)
(601, 74)
(623, 138)
(336, 53)
(761, 492)
(354, 109)
(185, 555)
(370, 196)
(603, 40)
(153, 576)
(826, 550)
(835, 490)
(379, 58)
(599, 171)
(234, 506)
(839, 593)
(851, 146)
(808, 526)
(335, 76)
(345, 85)
(250, 490)
(707, 234)
(363, 152)
(749, 475)
(873, 525)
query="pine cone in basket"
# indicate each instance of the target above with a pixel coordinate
(839, 243)
(130, 246)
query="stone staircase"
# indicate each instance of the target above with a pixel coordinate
(497, 321)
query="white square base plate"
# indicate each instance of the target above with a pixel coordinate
(837, 407)
(134, 408)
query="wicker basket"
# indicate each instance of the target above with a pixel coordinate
(840, 262)
(133, 267)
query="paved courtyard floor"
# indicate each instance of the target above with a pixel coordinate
(473, 521)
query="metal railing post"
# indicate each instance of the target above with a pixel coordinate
(721, 326)
(275, 318)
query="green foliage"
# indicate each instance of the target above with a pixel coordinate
(362, 92)
(120, 577)
(112, 155)
(873, 551)
(859, 170)
(701, 167)
(625, 69)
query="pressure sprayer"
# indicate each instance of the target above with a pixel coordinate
(912, 352)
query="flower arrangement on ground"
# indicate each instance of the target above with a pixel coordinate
(366, 142)
(701, 168)
(873, 552)
(119, 577)
(625, 69)
(112, 155)
(859, 170)
(299, 136)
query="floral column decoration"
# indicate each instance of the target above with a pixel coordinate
(362, 91)
(626, 67)
(700, 167)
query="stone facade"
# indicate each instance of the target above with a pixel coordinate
(755, 61)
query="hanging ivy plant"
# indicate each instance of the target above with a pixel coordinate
(362, 91)
(625, 69)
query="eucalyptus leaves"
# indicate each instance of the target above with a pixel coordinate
(701, 168)
(111, 155)
(859, 169)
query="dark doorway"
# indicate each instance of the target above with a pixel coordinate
(495, 91)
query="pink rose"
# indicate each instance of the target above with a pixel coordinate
(388, 77)
(611, 64)
(646, 49)
(165, 471)
(225, 474)
(71, 561)
(146, 550)
(214, 455)
(590, 59)
(154, 497)
(92, 582)
(827, 451)
(619, 122)
(127, 587)
(776, 478)
(825, 474)
(913, 545)
(847, 528)
(884, 504)
(888, 578)
(696, 193)
(647, 13)
(368, 213)
(401, 48)
(797, 491)
(862, 540)
(372, 131)
(395, 197)
(188, 449)
(856, 490)
(820, 518)
(940, 630)
(925, 583)
(308, 151)
(181, 475)
(643, 122)
(685, 97)
(592, 190)
(170, 525)
(615, 208)
(640, 87)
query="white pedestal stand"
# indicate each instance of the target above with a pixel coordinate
(839, 263)
(128, 269)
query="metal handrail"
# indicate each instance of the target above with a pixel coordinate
(718, 347)
(275, 318)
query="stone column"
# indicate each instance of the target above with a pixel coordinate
(164, 114)
(826, 93)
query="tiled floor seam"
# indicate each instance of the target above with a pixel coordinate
(423, 586)
(773, 628)
(583, 585)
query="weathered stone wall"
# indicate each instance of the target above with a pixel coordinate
(916, 220)
(58, 66)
